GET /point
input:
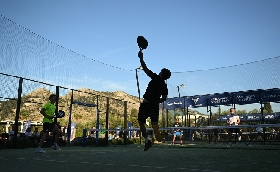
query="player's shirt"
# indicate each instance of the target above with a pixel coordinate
(177, 124)
(156, 88)
(50, 110)
(232, 118)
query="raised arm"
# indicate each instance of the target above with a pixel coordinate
(143, 64)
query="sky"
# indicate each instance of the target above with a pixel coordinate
(216, 33)
(183, 35)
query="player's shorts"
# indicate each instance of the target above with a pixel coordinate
(178, 133)
(234, 130)
(146, 110)
(48, 127)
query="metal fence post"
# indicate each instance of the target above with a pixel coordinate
(107, 120)
(17, 112)
(125, 122)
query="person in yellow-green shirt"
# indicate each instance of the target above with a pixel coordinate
(48, 111)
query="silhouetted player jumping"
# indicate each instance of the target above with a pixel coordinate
(156, 93)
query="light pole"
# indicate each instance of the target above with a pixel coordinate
(178, 87)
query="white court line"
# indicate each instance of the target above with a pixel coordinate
(84, 162)
(181, 168)
(159, 167)
(145, 166)
(132, 165)
(96, 163)
(60, 161)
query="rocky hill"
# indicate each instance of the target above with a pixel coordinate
(33, 102)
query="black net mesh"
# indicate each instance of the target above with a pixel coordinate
(48, 68)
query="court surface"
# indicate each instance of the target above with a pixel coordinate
(133, 158)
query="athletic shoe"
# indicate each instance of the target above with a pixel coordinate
(40, 150)
(172, 143)
(181, 143)
(56, 147)
(148, 145)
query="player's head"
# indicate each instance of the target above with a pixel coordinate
(165, 73)
(52, 97)
(177, 120)
(232, 110)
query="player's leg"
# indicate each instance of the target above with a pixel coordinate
(259, 136)
(156, 128)
(148, 143)
(181, 138)
(142, 116)
(237, 130)
(57, 132)
(154, 119)
(215, 135)
(43, 138)
(156, 131)
(174, 137)
(230, 130)
(143, 129)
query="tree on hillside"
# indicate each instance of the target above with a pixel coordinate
(254, 111)
(240, 112)
(170, 121)
(219, 111)
(134, 113)
(24, 114)
(267, 108)
(115, 120)
(6, 108)
(134, 121)
(225, 112)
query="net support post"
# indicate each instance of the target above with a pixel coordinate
(125, 122)
(17, 112)
(107, 120)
